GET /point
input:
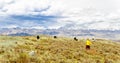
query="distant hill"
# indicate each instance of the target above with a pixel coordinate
(20, 34)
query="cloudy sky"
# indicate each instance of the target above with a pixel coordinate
(53, 14)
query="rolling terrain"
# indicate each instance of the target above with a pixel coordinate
(27, 49)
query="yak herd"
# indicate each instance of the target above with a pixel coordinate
(38, 37)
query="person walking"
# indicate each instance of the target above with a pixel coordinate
(88, 43)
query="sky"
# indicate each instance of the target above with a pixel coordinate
(55, 14)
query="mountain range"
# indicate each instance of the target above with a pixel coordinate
(109, 34)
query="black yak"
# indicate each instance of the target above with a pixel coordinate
(75, 39)
(55, 36)
(38, 37)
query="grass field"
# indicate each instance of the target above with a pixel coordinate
(27, 49)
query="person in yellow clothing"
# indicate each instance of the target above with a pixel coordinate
(88, 43)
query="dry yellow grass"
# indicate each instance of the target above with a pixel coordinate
(60, 50)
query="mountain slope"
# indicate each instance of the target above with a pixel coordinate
(27, 49)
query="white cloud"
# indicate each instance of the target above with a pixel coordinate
(76, 12)
(10, 26)
(25, 6)
(38, 27)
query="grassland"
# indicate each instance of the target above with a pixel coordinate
(28, 49)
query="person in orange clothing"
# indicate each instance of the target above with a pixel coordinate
(88, 43)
